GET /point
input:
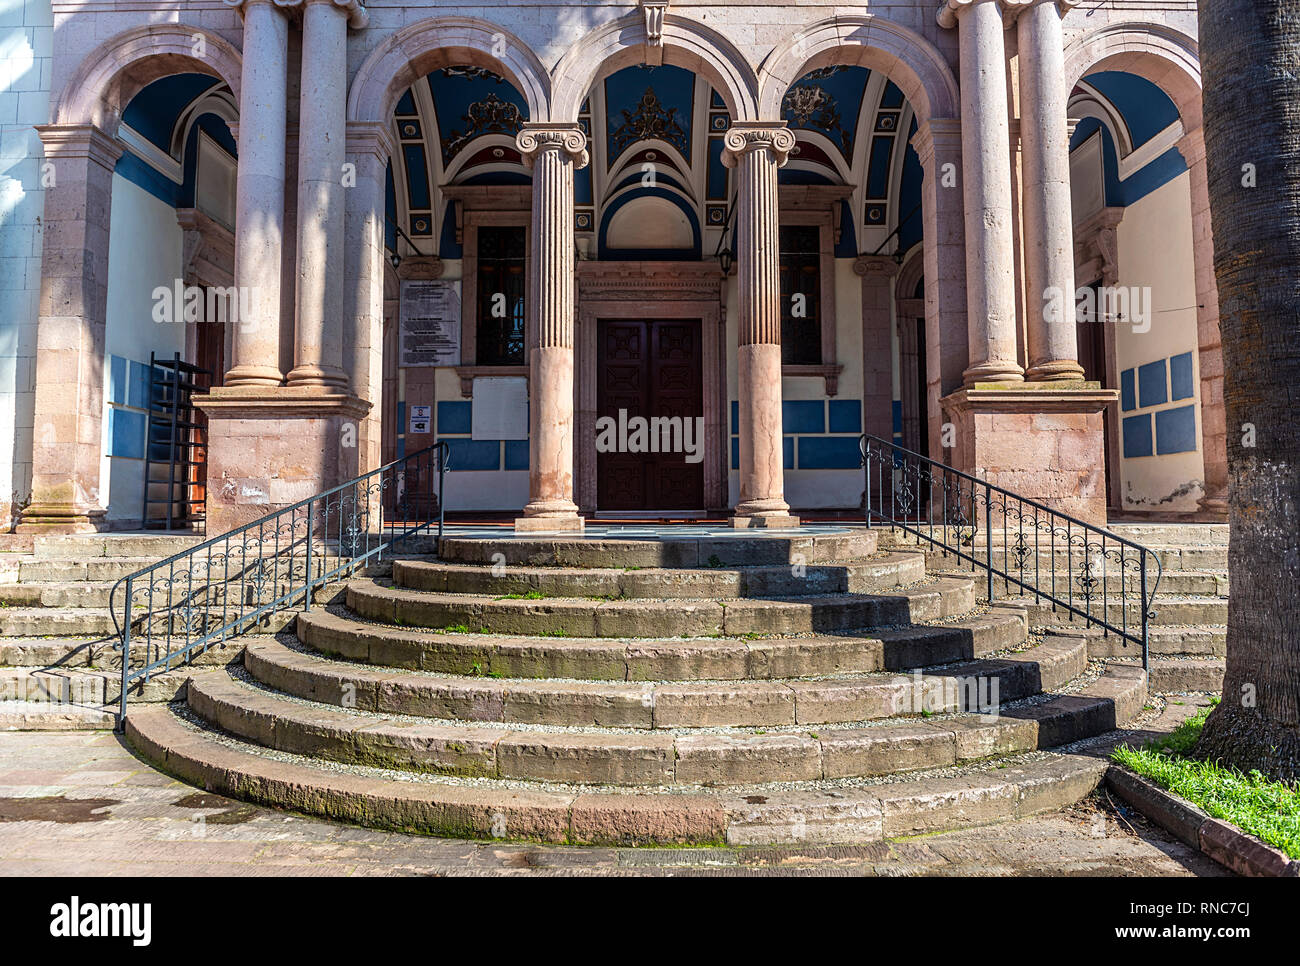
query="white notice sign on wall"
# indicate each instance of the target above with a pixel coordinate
(500, 408)
(430, 322)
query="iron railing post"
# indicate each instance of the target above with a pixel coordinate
(1142, 571)
(988, 537)
(307, 570)
(126, 657)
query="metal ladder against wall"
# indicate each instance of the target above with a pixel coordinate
(175, 445)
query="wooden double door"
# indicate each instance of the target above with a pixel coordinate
(649, 369)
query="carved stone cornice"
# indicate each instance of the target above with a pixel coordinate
(424, 267)
(757, 136)
(207, 249)
(80, 141)
(369, 137)
(538, 137)
(634, 281)
(936, 132)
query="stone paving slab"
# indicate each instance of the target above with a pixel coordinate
(79, 804)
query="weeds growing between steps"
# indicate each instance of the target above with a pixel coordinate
(1267, 809)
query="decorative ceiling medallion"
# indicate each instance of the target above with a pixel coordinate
(473, 73)
(652, 120)
(491, 115)
(812, 108)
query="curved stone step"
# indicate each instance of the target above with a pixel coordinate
(585, 617)
(879, 574)
(55, 621)
(826, 700)
(651, 659)
(609, 757)
(71, 593)
(1170, 674)
(774, 548)
(839, 814)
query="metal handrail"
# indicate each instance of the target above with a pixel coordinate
(178, 607)
(945, 507)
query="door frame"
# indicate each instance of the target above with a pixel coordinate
(649, 291)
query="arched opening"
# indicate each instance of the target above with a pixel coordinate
(170, 295)
(1147, 306)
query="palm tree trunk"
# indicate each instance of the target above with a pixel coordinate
(1250, 71)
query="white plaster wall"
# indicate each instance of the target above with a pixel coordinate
(144, 252)
(26, 43)
(1155, 251)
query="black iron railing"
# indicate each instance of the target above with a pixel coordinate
(1081, 569)
(169, 612)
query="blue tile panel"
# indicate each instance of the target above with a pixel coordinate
(828, 452)
(803, 416)
(516, 454)
(1176, 430)
(453, 417)
(1180, 376)
(1137, 436)
(475, 454)
(1151, 384)
(845, 415)
(1127, 391)
(126, 433)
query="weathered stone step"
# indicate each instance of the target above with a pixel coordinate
(653, 659)
(73, 652)
(47, 716)
(1169, 610)
(1172, 558)
(659, 758)
(572, 617)
(1205, 640)
(31, 569)
(74, 593)
(1182, 673)
(153, 546)
(82, 686)
(879, 574)
(775, 548)
(714, 704)
(1178, 534)
(837, 814)
(1174, 583)
(55, 622)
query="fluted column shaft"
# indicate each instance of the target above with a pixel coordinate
(555, 152)
(318, 351)
(259, 195)
(1053, 344)
(756, 151)
(986, 140)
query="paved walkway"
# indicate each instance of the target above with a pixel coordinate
(79, 803)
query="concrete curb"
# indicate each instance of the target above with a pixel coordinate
(1224, 843)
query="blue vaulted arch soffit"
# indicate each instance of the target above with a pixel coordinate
(649, 104)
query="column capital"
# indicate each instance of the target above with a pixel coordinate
(938, 132)
(951, 10)
(876, 266)
(1014, 8)
(537, 137)
(358, 15)
(369, 137)
(87, 141)
(243, 5)
(771, 136)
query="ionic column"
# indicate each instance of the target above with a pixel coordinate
(554, 151)
(1048, 236)
(69, 389)
(259, 194)
(756, 151)
(322, 121)
(986, 171)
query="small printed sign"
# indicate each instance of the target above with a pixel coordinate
(421, 419)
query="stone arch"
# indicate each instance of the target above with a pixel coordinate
(910, 273)
(686, 43)
(412, 52)
(907, 58)
(1166, 57)
(117, 70)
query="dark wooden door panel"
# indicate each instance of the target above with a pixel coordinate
(651, 369)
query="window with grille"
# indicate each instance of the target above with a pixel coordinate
(801, 331)
(501, 296)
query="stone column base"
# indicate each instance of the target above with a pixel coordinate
(765, 521)
(59, 518)
(272, 447)
(565, 524)
(1042, 441)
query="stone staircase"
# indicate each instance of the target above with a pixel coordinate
(58, 664)
(713, 688)
(1188, 635)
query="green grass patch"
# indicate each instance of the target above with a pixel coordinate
(530, 595)
(1267, 809)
